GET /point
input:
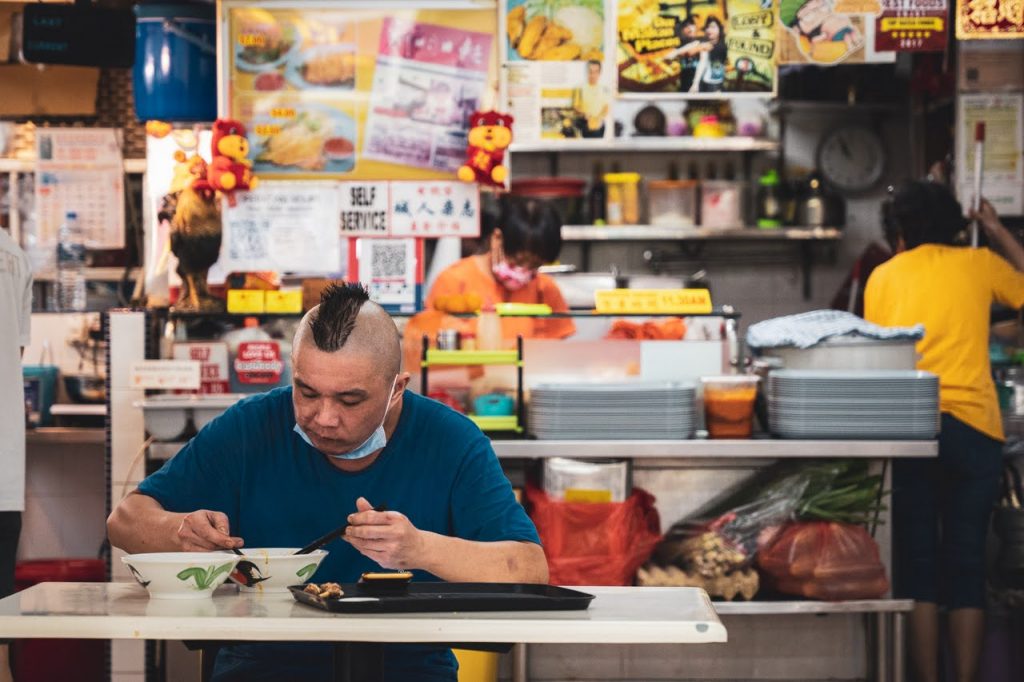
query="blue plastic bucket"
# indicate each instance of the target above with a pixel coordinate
(175, 73)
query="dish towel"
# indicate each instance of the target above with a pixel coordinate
(808, 329)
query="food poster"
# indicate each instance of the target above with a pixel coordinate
(989, 19)
(696, 47)
(558, 82)
(1002, 176)
(827, 32)
(369, 91)
(428, 80)
(912, 25)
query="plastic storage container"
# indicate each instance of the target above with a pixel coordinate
(566, 194)
(672, 203)
(623, 198)
(721, 203)
(729, 405)
(175, 73)
(43, 660)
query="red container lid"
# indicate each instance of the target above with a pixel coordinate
(28, 573)
(548, 188)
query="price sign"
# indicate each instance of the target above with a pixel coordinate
(166, 374)
(653, 301)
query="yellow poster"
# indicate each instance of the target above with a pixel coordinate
(368, 91)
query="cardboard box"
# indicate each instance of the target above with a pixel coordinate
(246, 301)
(991, 68)
(288, 301)
(48, 91)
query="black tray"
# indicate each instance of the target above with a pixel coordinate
(435, 597)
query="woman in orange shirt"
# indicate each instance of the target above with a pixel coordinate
(526, 235)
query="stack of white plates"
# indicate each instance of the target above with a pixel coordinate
(613, 411)
(862, 404)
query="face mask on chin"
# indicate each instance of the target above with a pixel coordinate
(376, 441)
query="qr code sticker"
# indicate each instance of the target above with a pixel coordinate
(248, 241)
(388, 260)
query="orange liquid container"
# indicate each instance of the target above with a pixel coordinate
(729, 405)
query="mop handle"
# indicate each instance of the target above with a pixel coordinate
(979, 155)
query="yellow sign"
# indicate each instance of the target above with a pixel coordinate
(246, 301)
(654, 301)
(284, 301)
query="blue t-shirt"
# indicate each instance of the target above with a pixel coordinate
(437, 468)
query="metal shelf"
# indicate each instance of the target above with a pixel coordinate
(61, 435)
(650, 144)
(715, 449)
(703, 234)
(106, 274)
(131, 166)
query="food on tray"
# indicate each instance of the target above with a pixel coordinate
(396, 577)
(271, 80)
(265, 42)
(300, 142)
(570, 33)
(650, 71)
(325, 590)
(337, 67)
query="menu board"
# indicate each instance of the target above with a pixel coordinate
(1002, 179)
(368, 90)
(699, 48)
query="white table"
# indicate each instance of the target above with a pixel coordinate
(618, 615)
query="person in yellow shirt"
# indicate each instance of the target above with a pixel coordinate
(590, 102)
(950, 290)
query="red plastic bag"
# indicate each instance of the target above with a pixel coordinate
(822, 560)
(595, 543)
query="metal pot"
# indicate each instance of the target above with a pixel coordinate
(848, 352)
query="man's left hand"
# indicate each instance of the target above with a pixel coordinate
(387, 537)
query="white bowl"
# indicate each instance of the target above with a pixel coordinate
(279, 567)
(181, 575)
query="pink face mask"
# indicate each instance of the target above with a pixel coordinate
(512, 277)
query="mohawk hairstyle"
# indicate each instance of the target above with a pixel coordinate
(336, 317)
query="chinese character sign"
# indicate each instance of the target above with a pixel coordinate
(988, 19)
(434, 209)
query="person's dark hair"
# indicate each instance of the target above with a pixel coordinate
(922, 212)
(527, 226)
(714, 20)
(336, 317)
(688, 21)
(595, 62)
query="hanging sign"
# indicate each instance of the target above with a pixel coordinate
(653, 301)
(435, 209)
(989, 19)
(912, 26)
(364, 208)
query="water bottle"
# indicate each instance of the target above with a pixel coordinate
(71, 264)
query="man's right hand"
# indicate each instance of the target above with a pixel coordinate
(204, 531)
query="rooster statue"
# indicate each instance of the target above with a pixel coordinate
(195, 241)
(196, 225)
